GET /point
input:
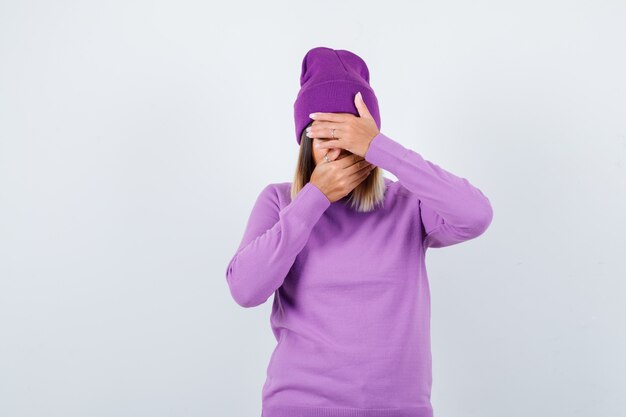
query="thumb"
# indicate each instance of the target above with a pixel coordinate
(361, 107)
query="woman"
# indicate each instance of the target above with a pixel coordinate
(342, 249)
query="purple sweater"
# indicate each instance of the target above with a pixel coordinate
(351, 307)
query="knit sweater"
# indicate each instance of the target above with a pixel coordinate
(351, 307)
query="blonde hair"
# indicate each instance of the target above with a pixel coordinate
(364, 197)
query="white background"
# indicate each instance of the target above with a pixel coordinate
(136, 135)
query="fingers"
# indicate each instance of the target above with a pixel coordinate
(331, 117)
(358, 171)
(324, 129)
(360, 167)
(325, 132)
(349, 160)
(343, 155)
(360, 175)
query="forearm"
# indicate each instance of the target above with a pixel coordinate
(261, 264)
(461, 205)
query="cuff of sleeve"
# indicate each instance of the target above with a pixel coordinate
(309, 204)
(385, 152)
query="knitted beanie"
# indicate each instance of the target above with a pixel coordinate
(329, 81)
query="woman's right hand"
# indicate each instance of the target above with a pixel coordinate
(341, 175)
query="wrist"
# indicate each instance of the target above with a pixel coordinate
(369, 145)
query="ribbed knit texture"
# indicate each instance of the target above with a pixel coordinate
(351, 306)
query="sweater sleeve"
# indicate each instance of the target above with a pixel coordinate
(452, 210)
(272, 240)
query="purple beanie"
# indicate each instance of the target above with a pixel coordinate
(329, 81)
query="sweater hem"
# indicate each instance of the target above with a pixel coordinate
(303, 411)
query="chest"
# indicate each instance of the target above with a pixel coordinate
(346, 248)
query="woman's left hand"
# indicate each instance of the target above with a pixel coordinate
(351, 133)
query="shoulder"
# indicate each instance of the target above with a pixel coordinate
(277, 193)
(278, 187)
(395, 189)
